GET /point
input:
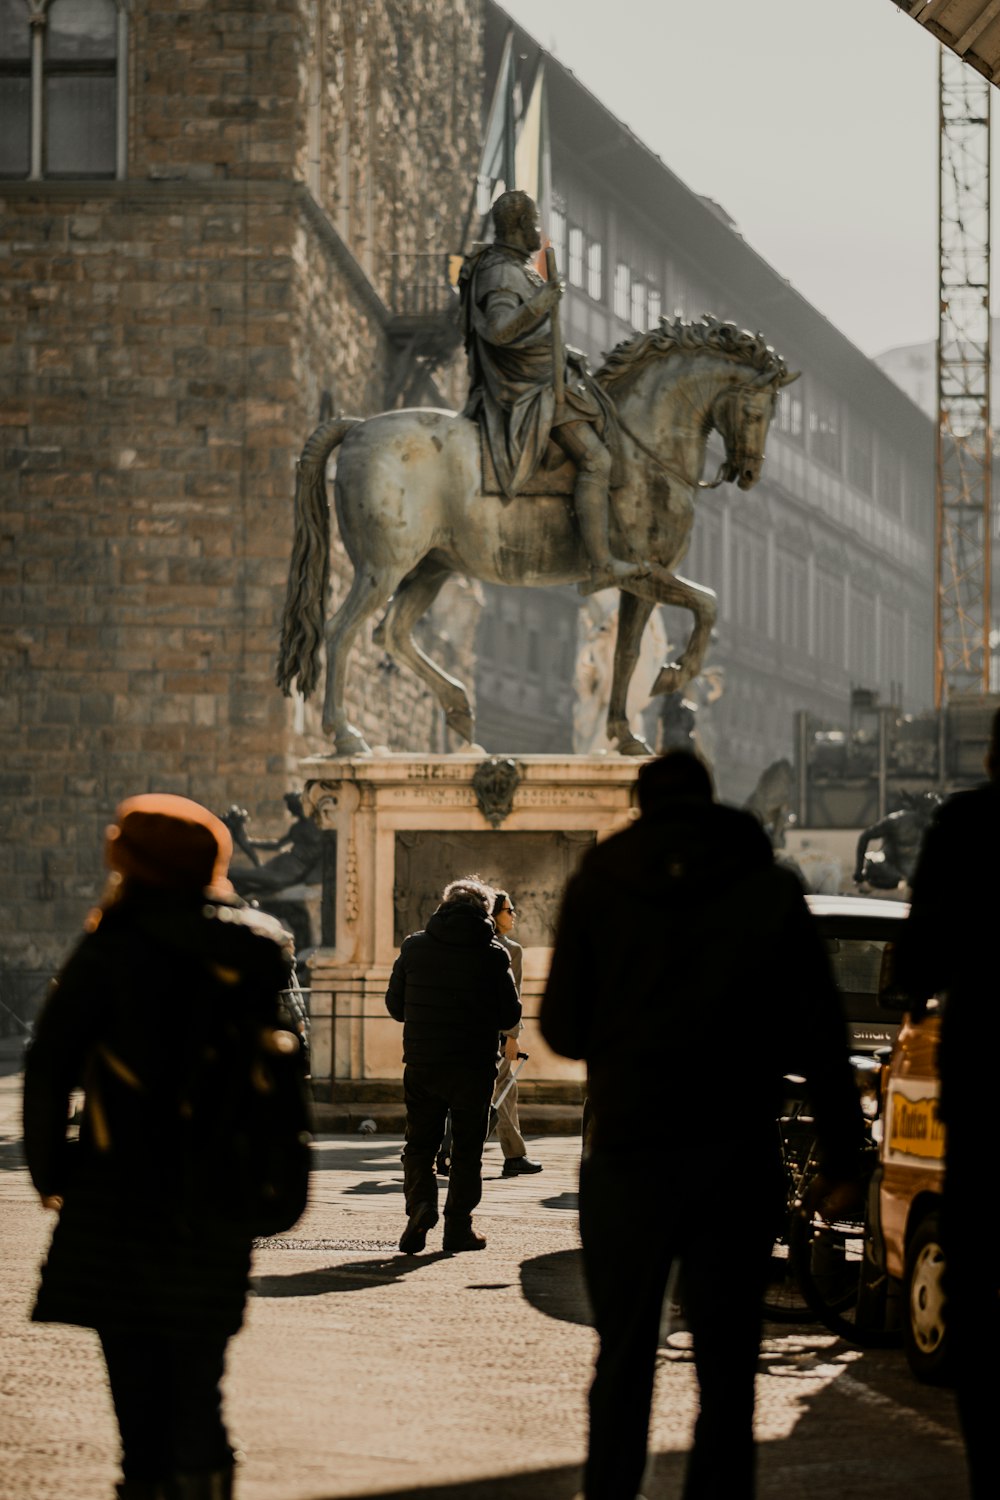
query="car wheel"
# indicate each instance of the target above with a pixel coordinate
(925, 1334)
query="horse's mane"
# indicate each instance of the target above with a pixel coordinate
(710, 334)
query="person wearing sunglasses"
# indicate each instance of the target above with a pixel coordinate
(516, 1161)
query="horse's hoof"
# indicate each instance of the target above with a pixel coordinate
(348, 740)
(627, 743)
(633, 746)
(669, 679)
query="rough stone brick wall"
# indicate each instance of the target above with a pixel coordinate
(164, 348)
(217, 88)
(398, 164)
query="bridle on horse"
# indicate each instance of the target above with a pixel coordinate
(726, 422)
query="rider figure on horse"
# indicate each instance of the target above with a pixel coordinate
(509, 341)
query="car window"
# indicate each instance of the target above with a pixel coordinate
(857, 965)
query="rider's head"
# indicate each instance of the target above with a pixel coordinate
(515, 218)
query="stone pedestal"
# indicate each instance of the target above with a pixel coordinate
(404, 827)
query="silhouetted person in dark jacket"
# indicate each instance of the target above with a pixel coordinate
(453, 989)
(688, 974)
(155, 1015)
(949, 947)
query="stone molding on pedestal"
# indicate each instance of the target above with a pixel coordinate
(407, 824)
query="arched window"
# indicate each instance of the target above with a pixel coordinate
(62, 88)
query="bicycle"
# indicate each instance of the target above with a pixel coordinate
(836, 1261)
(784, 1301)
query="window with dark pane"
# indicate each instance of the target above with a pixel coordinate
(81, 45)
(15, 89)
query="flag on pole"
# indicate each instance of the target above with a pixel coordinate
(497, 159)
(528, 152)
(516, 152)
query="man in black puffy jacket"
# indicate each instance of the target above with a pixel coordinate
(454, 992)
(688, 973)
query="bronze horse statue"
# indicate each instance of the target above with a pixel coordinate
(411, 512)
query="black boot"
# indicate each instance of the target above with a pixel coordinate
(459, 1235)
(414, 1236)
(142, 1489)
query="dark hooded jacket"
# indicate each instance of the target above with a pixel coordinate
(144, 1242)
(453, 989)
(688, 973)
(949, 946)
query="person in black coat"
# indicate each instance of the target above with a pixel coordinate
(154, 1015)
(687, 973)
(948, 947)
(454, 992)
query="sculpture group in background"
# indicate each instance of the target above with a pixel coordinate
(298, 858)
(682, 721)
(771, 800)
(413, 509)
(900, 835)
(276, 885)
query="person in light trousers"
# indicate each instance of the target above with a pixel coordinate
(515, 1153)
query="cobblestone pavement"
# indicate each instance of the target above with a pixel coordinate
(363, 1372)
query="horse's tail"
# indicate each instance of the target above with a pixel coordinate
(309, 567)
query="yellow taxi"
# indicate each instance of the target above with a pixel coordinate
(906, 1205)
(875, 1275)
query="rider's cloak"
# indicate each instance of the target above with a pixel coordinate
(511, 385)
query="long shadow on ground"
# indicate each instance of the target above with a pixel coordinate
(553, 1284)
(356, 1276)
(540, 1484)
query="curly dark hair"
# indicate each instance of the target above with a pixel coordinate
(471, 891)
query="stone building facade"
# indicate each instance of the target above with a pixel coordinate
(204, 239)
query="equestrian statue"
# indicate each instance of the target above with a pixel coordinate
(550, 475)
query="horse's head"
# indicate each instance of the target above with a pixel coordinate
(741, 414)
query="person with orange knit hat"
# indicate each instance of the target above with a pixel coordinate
(154, 1016)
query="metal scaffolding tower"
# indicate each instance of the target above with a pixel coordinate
(964, 446)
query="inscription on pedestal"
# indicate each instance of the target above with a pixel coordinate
(533, 867)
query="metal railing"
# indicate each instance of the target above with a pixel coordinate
(419, 284)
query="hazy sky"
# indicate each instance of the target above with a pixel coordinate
(813, 123)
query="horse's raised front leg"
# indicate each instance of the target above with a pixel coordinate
(411, 600)
(673, 677)
(369, 591)
(633, 616)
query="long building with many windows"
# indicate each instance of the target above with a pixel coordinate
(824, 571)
